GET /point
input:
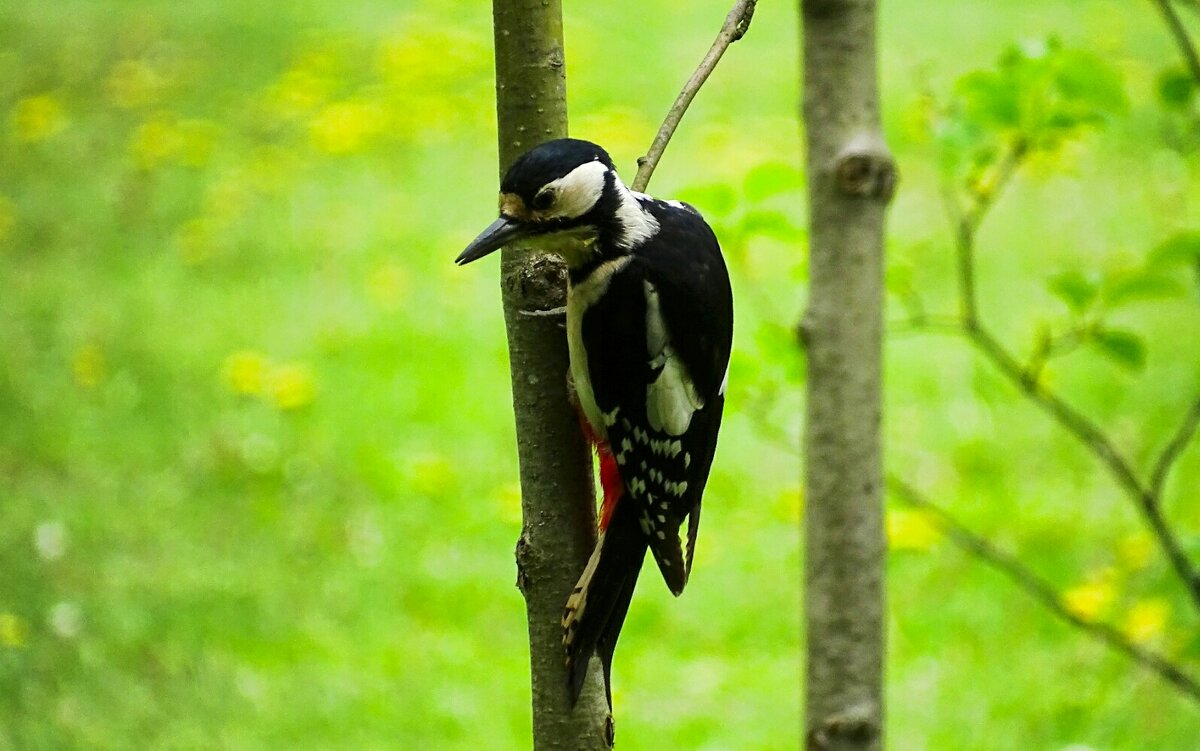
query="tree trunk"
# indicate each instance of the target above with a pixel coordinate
(557, 500)
(851, 178)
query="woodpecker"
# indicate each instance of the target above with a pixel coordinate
(649, 321)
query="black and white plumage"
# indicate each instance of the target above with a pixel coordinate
(650, 328)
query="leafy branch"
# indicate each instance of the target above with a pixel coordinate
(1039, 589)
(737, 22)
(1147, 496)
(1039, 101)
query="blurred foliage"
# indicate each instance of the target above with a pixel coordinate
(256, 460)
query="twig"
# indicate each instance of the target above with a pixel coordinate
(967, 221)
(1186, 48)
(737, 21)
(1040, 589)
(1050, 346)
(1179, 441)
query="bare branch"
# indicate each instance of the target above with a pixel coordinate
(1040, 589)
(1186, 48)
(736, 23)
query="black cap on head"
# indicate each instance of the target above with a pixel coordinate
(548, 162)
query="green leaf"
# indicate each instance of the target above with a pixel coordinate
(1140, 286)
(1182, 249)
(774, 224)
(1090, 84)
(1122, 347)
(989, 99)
(771, 179)
(716, 199)
(1040, 93)
(1074, 289)
(1176, 87)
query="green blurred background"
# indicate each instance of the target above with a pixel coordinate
(257, 465)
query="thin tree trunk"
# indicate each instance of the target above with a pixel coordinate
(557, 503)
(851, 178)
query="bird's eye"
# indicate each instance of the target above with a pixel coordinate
(543, 200)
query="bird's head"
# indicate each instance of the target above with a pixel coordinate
(563, 194)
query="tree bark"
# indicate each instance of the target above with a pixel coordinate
(851, 178)
(557, 496)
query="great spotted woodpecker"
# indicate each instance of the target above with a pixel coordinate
(649, 331)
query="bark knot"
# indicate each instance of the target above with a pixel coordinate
(865, 169)
(538, 282)
(524, 556)
(854, 727)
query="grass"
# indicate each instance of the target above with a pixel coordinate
(256, 457)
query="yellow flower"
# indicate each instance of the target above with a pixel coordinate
(299, 91)
(434, 58)
(245, 372)
(88, 366)
(133, 83)
(386, 286)
(292, 386)
(36, 118)
(1146, 620)
(1134, 550)
(1090, 599)
(12, 630)
(345, 127)
(910, 530)
(8, 218)
(155, 141)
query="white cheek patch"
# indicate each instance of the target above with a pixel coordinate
(578, 190)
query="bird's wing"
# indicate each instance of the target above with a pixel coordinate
(661, 419)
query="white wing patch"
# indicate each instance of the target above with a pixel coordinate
(672, 399)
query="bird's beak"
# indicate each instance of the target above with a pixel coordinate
(499, 233)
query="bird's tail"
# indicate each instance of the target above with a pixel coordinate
(596, 609)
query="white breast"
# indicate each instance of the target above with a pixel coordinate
(581, 297)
